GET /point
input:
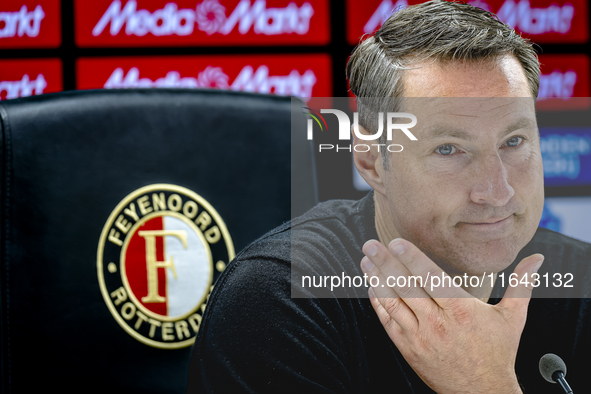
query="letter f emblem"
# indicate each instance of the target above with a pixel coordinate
(152, 265)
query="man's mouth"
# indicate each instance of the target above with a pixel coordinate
(493, 220)
(488, 229)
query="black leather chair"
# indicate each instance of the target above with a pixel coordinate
(114, 212)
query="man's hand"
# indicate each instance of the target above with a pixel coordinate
(454, 342)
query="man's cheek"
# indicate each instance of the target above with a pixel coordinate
(528, 182)
(421, 231)
(526, 167)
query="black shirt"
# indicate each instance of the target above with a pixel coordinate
(258, 336)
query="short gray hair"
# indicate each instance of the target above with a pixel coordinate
(437, 30)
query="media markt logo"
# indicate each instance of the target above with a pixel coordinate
(209, 16)
(552, 18)
(159, 253)
(248, 80)
(21, 23)
(22, 88)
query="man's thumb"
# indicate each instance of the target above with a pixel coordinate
(521, 283)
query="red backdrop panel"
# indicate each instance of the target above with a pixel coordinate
(563, 76)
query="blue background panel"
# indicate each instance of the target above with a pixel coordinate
(566, 153)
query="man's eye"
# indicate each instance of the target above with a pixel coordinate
(446, 150)
(514, 141)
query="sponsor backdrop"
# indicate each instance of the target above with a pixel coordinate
(285, 47)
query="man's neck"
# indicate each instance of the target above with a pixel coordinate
(387, 232)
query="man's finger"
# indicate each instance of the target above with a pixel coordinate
(433, 276)
(394, 275)
(517, 297)
(387, 297)
(390, 270)
(390, 315)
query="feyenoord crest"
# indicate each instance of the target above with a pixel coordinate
(159, 253)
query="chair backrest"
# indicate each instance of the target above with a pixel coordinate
(119, 210)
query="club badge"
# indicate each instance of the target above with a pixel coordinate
(159, 253)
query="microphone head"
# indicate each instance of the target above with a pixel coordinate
(549, 364)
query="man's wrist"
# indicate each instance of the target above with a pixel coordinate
(515, 387)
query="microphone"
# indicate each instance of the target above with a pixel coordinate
(553, 369)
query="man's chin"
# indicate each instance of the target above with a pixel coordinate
(484, 258)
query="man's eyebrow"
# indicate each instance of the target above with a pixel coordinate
(447, 131)
(521, 123)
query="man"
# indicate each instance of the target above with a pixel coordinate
(465, 199)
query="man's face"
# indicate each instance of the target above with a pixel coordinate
(469, 192)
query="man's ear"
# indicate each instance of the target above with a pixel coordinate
(370, 163)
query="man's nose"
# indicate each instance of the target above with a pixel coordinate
(491, 184)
